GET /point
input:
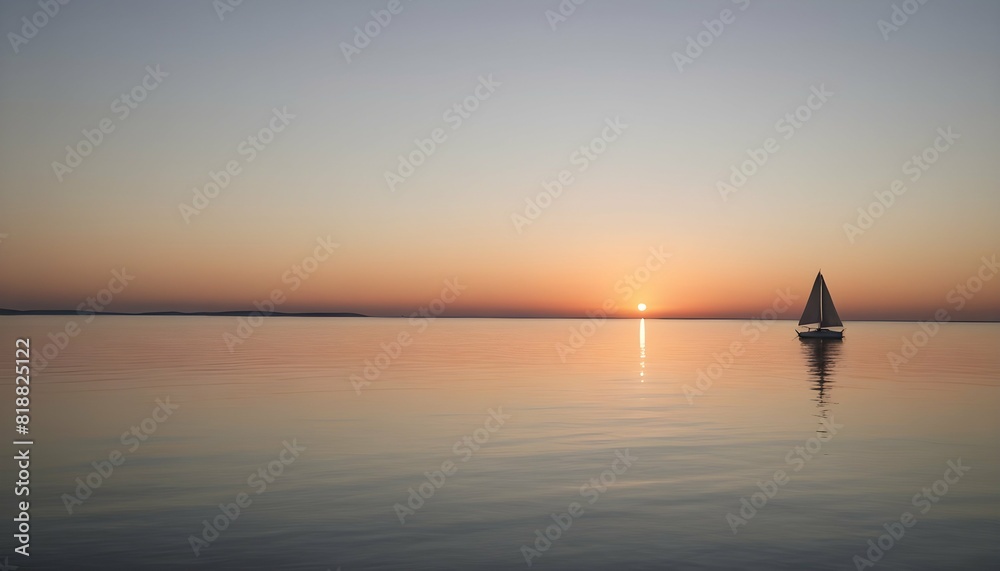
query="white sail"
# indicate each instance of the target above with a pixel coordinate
(828, 312)
(819, 308)
(812, 313)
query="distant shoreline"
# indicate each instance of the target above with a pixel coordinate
(245, 313)
(241, 313)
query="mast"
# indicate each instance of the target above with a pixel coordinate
(822, 285)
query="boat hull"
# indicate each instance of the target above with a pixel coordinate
(820, 334)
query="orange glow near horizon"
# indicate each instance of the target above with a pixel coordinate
(686, 286)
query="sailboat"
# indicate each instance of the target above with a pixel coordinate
(820, 314)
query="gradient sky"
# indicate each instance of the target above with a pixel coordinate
(655, 186)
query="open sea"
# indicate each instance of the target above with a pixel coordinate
(365, 443)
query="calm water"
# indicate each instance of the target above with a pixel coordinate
(888, 435)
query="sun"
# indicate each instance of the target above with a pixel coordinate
(642, 307)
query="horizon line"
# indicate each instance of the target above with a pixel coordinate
(347, 314)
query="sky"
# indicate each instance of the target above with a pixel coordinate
(334, 135)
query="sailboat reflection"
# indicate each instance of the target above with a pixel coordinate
(642, 350)
(822, 356)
